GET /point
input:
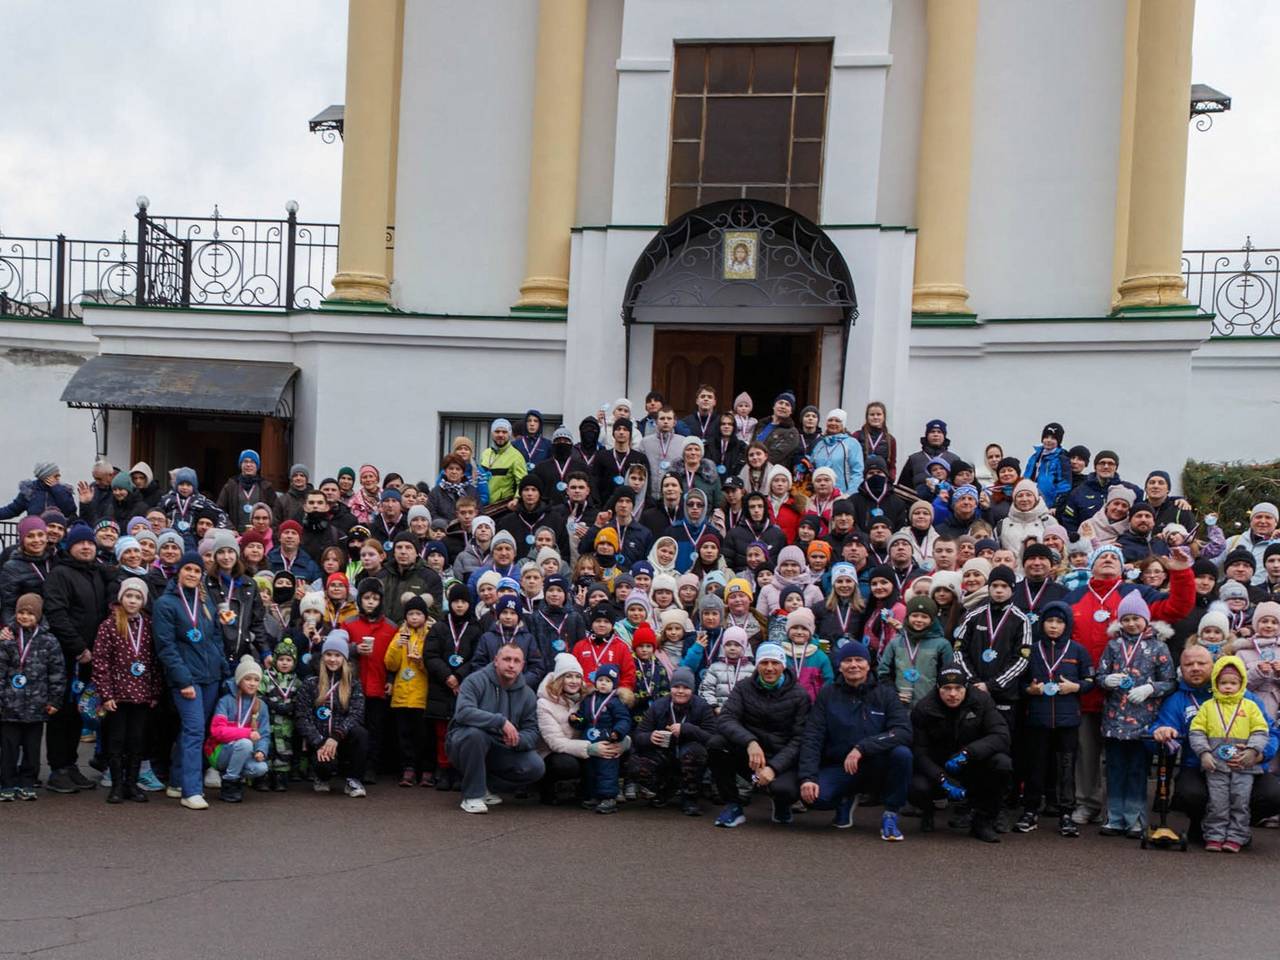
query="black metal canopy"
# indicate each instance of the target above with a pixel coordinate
(789, 261)
(183, 385)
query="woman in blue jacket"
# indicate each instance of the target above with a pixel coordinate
(40, 493)
(189, 644)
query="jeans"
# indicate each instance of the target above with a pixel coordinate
(186, 769)
(235, 760)
(890, 774)
(1127, 764)
(479, 756)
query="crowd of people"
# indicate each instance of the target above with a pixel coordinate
(663, 610)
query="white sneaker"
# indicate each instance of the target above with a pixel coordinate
(212, 779)
(173, 793)
(354, 788)
(195, 803)
(492, 799)
(474, 806)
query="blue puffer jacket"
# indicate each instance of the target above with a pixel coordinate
(869, 717)
(843, 454)
(1051, 471)
(34, 498)
(188, 661)
(1180, 708)
(1060, 710)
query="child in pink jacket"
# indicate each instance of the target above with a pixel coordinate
(240, 732)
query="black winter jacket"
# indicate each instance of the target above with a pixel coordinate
(940, 732)
(869, 717)
(775, 719)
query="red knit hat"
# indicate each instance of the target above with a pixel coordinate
(644, 634)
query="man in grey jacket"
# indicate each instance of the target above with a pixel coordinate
(494, 730)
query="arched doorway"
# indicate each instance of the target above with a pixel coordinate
(743, 295)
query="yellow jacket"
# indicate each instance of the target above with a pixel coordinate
(1246, 723)
(409, 688)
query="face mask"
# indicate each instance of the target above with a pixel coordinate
(282, 592)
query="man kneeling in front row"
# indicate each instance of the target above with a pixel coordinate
(494, 730)
(961, 751)
(857, 740)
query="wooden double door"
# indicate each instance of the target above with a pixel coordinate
(210, 445)
(762, 364)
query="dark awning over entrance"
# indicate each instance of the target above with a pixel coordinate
(183, 385)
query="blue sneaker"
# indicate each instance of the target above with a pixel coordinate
(149, 782)
(889, 827)
(781, 812)
(731, 816)
(843, 819)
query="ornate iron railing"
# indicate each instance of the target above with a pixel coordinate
(1238, 286)
(215, 261)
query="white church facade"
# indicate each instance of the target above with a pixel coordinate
(968, 209)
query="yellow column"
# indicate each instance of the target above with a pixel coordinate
(1158, 174)
(946, 140)
(557, 134)
(1125, 176)
(367, 159)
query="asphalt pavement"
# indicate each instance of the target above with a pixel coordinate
(404, 873)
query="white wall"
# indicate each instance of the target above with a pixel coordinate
(1046, 139)
(1235, 400)
(37, 425)
(1122, 385)
(903, 101)
(466, 106)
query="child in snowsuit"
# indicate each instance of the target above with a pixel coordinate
(1227, 728)
(279, 688)
(34, 676)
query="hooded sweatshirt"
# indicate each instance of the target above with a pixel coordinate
(1229, 720)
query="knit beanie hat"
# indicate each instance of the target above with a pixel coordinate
(337, 641)
(643, 635)
(458, 591)
(312, 602)
(922, 605)
(1002, 574)
(1216, 617)
(770, 651)
(951, 676)
(731, 635)
(78, 533)
(1132, 603)
(1268, 608)
(663, 581)
(801, 617)
(673, 615)
(566, 663)
(247, 667)
(286, 648)
(133, 583)
(31, 603)
(852, 648)
(1233, 590)
(30, 525)
(682, 677)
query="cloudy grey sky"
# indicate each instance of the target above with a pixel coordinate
(202, 103)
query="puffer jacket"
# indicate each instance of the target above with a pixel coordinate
(232, 718)
(1050, 471)
(335, 722)
(113, 660)
(188, 660)
(772, 717)
(1072, 663)
(843, 454)
(940, 732)
(405, 663)
(932, 652)
(45, 671)
(247, 631)
(721, 677)
(555, 733)
(437, 650)
(1150, 663)
(696, 718)
(34, 498)
(23, 574)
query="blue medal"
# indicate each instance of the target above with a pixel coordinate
(406, 673)
(1102, 616)
(323, 713)
(989, 655)
(1033, 618)
(593, 734)
(248, 508)
(19, 681)
(1126, 683)
(183, 526)
(387, 545)
(911, 674)
(528, 466)
(720, 469)
(1227, 751)
(877, 512)
(529, 539)
(455, 659)
(77, 686)
(1050, 689)
(617, 479)
(137, 668)
(557, 645)
(664, 464)
(194, 635)
(561, 486)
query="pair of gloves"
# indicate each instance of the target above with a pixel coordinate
(1138, 694)
(953, 790)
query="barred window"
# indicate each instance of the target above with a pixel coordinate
(748, 120)
(475, 426)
